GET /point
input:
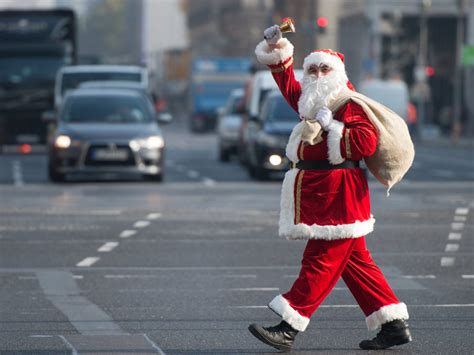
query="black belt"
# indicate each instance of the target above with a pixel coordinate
(324, 165)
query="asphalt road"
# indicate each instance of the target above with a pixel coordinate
(117, 265)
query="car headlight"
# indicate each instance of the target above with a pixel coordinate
(153, 142)
(62, 141)
(268, 140)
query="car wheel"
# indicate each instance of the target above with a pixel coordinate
(155, 178)
(224, 155)
(261, 173)
(54, 176)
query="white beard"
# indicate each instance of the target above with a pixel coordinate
(319, 92)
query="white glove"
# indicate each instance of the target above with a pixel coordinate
(272, 34)
(324, 118)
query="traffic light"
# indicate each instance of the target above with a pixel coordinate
(322, 24)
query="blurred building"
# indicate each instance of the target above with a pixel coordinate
(234, 27)
(418, 39)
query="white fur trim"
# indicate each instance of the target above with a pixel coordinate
(294, 142)
(386, 314)
(334, 142)
(326, 58)
(289, 230)
(267, 56)
(281, 307)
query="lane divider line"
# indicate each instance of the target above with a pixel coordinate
(153, 216)
(127, 233)
(460, 218)
(454, 236)
(209, 182)
(356, 306)
(141, 224)
(250, 289)
(462, 211)
(457, 226)
(451, 247)
(108, 247)
(89, 261)
(467, 276)
(447, 261)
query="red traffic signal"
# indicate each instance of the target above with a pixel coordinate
(429, 71)
(322, 22)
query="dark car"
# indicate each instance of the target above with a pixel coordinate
(112, 130)
(268, 135)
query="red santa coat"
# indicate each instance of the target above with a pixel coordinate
(322, 204)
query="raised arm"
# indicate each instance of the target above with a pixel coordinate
(278, 56)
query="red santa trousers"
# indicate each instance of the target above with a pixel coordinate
(324, 261)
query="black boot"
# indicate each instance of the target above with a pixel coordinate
(280, 336)
(393, 333)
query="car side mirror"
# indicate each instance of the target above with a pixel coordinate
(164, 117)
(49, 117)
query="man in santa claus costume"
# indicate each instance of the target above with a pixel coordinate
(325, 199)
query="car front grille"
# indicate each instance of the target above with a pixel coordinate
(92, 156)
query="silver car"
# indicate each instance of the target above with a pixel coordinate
(229, 124)
(106, 131)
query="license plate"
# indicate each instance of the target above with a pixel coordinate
(107, 154)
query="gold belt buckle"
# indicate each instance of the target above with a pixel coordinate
(293, 165)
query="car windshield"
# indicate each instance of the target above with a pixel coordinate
(280, 111)
(106, 109)
(73, 80)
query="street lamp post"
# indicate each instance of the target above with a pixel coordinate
(457, 109)
(421, 86)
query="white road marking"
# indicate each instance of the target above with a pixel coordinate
(468, 276)
(71, 347)
(457, 226)
(209, 182)
(356, 306)
(141, 224)
(153, 344)
(153, 216)
(451, 247)
(418, 276)
(133, 276)
(193, 174)
(88, 262)
(463, 211)
(127, 233)
(460, 218)
(109, 246)
(454, 236)
(41, 336)
(447, 261)
(250, 289)
(17, 173)
(78, 277)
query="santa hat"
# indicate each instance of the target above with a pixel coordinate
(326, 56)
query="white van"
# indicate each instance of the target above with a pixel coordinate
(391, 93)
(70, 77)
(262, 83)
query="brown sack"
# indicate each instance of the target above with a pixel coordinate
(395, 151)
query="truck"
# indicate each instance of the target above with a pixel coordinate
(35, 44)
(212, 80)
